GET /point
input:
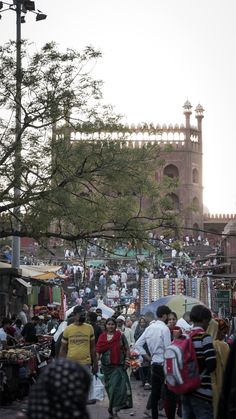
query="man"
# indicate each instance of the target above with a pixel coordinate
(23, 314)
(52, 323)
(123, 277)
(199, 403)
(3, 334)
(29, 330)
(157, 338)
(102, 283)
(185, 322)
(41, 327)
(129, 334)
(92, 317)
(78, 341)
(134, 320)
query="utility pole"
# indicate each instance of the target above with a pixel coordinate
(21, 7)
(17, 163)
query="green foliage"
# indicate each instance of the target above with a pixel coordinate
(79, 189)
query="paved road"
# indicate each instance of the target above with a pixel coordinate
(99, 410)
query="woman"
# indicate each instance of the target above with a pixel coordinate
(222, 352)
(174, 330)
(60, 392)
(171, 401)
(227, 403)
(113, 349)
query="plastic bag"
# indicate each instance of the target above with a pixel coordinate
(97, 389)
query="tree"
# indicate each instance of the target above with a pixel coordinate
(74, 190)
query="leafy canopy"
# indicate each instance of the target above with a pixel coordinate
(72, 189)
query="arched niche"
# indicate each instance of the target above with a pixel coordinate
(196, 203)
(171, 171)
(174, 201)
(195, 176)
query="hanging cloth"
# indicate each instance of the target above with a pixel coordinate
(56, 295)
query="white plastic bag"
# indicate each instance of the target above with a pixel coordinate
(97, 390)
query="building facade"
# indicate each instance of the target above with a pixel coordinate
(181, 149)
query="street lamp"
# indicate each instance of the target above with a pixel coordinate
(21, 7)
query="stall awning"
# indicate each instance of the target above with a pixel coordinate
(25, 284)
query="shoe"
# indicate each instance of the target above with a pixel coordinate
(147, 413)
(147, 386)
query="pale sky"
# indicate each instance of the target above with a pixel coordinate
(157, 54)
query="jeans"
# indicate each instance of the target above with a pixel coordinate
(157, 382)
(194, 408)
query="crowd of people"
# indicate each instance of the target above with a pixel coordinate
(126, 346)
(88, 343)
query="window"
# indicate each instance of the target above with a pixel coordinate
(171, 170)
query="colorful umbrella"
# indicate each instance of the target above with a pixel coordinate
(177, 303)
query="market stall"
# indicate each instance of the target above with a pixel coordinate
(20, 366)
(16, 367)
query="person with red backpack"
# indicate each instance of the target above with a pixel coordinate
(198, 403)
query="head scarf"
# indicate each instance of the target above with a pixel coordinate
(212, 329)
(113, 345)
(60, 392)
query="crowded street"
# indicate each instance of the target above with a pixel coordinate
(97, 308)
(117, 209)
(99, 410)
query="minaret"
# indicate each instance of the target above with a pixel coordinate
(199, 116)
(187, 112)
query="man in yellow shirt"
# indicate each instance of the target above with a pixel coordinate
(78, 341)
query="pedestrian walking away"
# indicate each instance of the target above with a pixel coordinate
(198, 404)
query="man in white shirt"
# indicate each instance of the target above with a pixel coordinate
(3, 334)
(23, 314)
(123, 277)
(134, 292)
(157, 338)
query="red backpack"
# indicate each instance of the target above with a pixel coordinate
(181, 366)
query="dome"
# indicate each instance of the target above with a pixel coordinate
(187, 106)
(199, 109)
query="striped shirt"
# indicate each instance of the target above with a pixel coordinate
(206, 358)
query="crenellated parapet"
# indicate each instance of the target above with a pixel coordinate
(219, 217)
(177, 136)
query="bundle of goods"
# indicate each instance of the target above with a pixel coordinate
(16, 355)
(134, 361)
(45, 338)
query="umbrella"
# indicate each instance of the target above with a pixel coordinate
(177, 303)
